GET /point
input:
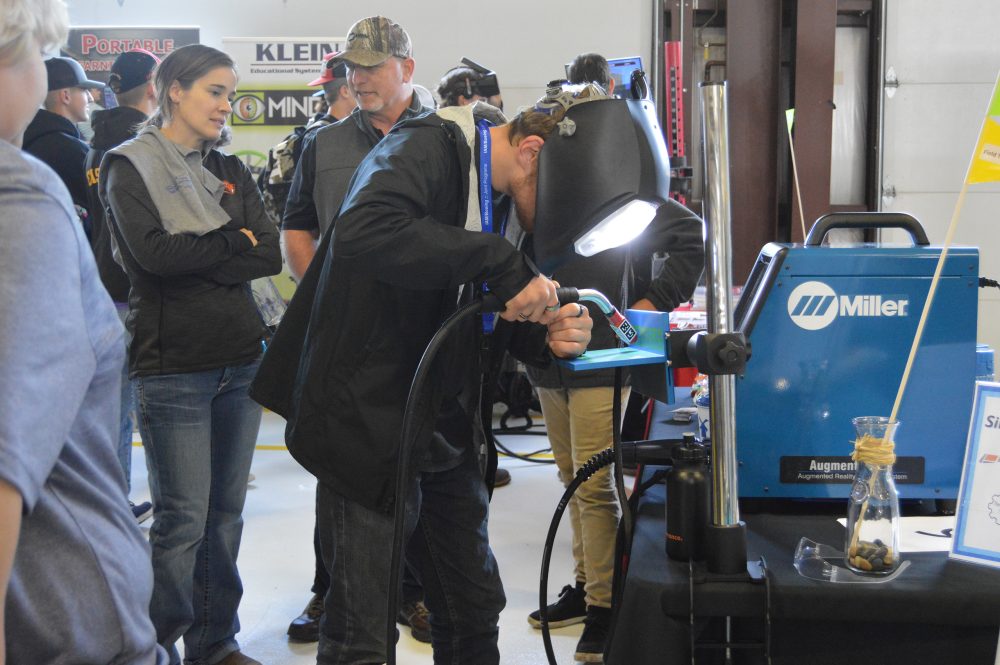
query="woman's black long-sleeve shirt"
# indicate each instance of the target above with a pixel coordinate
(190, 304)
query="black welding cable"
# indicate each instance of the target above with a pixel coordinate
(986, 281)
(528, 457)
(520, 430)
(417, 390)
(619, 463)
(584, 473)
(592, 466)
(651, 452)
(417, 393)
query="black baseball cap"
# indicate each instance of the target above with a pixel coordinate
(67, 73)
(132, 69)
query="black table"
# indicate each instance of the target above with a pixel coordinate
(938, 611)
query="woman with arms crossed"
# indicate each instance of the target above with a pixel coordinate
(192, 232)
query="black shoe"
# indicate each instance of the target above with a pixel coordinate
(305, 627)
(590, 648)
(142, 511)
(571, 608)
(416, 616)
(501, 477)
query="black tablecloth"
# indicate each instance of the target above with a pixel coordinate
(937, 611)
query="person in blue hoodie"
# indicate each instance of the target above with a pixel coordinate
(53, 136)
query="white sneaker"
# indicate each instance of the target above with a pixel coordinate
(142, 511)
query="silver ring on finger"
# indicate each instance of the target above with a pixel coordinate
(522, 316)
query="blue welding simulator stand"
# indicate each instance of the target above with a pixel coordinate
(648, 357)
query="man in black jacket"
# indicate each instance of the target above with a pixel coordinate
(406, 250)
(131, 81)
(52, 135)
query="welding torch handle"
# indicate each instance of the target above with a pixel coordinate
(565, 294)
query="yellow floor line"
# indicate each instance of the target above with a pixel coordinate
(138, 444)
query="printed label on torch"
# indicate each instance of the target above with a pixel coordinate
(622, 327)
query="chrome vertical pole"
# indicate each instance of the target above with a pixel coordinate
(719, 275)
(727, 535)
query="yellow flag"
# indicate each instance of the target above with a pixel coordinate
(986, 160)
(790, 118)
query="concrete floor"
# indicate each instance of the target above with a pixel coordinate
(276, 556)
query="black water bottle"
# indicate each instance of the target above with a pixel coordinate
(688, 501)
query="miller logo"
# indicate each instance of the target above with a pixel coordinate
(814, 306)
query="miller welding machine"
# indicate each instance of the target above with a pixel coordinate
(831, 329)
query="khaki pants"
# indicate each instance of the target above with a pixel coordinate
(578, 421)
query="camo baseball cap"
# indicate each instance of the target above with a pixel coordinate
(373, 40)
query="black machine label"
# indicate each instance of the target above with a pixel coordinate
(840, 470)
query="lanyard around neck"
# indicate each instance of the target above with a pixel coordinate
(486, 198)
(485, 175)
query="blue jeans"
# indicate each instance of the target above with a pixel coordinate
(128, 405)
(198, 430)
(449, 549)
(412, 591)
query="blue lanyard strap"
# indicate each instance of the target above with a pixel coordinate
(485, 176)
(486, 198)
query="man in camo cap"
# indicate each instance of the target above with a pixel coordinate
(380, 76)
(373, 40)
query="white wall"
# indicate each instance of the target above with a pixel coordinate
(526, 42)
(946, 56)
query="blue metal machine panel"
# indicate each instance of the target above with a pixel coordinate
(830, 343)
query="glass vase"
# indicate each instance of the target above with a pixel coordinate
(872, 541)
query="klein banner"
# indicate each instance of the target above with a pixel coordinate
(96, 47)
(273, 95)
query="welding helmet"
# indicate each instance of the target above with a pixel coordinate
(602, 172)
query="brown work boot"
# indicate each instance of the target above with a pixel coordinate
(416, 616)
(501, 477)
(305, 627)
(238, 658)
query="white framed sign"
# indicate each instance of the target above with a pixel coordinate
(977, 517)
